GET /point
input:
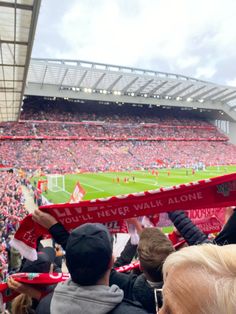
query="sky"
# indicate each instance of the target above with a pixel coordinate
(189, 37)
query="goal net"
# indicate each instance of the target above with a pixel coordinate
(56, 182)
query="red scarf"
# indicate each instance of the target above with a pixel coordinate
(45, 279)
(210, 193)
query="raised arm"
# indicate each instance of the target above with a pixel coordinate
(56, 229)
(188, 230)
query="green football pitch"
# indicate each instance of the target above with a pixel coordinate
(105, 184)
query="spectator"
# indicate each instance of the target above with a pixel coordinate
(193, 235)
(153, 248)
(89, 260)
(30, 298)
(200, 279)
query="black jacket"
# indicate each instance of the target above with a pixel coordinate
(228, 233)
(127, 254)
(128, 307)
(188, 230)
(136, 288)
(193, 235)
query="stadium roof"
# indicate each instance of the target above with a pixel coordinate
(96, 81)
(18, 20)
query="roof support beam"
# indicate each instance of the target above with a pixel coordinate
(182, 91)
(64, 76)
(156, 88)
(11, 81)
(98, 81)
(166, 92)
(216, 94)
(233, 107)
(34, 18)
(130, 84)
(229, 99)
(44, 75)
(194, 91)
(206, 92)
(16, 5)
(11, 65)
(225, 96)
(110, 87)
(12, 42)
(82, 78)
(141, 88)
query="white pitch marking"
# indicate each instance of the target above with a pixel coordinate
(93, 187)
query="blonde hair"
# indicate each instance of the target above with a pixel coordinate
(215, 267)
(21, 304)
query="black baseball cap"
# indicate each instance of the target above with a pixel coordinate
(88, 253)
(43, 263)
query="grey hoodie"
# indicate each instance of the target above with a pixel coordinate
(70, 298)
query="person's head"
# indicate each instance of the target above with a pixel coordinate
(200, 279)
(89, 254)
(153, 249)
(43, 264)
(22, 304)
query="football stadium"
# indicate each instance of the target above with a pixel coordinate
(92, 151)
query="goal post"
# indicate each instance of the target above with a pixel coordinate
(56, 182)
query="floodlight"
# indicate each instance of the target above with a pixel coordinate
(104, 91)
(132, 94)
(145, 95)
(201, 100)
(189, 99)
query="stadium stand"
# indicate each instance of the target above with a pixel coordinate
(64, 138)
(12, 211)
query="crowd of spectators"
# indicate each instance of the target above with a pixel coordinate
(63, 156)
(13, 209)
(115, 142)
(44, 110)
(110, 130)
(198, 278)
(64, 141)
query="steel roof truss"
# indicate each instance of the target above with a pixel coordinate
(216, 94)
(113, 84)
(129, 84)
(225, 96)
(166, 92)
(178, 93)
(152, 92)
(141, 88)
(199, 96)
(98, 81)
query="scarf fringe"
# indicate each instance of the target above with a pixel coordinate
(25, 250)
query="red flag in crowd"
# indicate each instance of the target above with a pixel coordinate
(78, 194)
